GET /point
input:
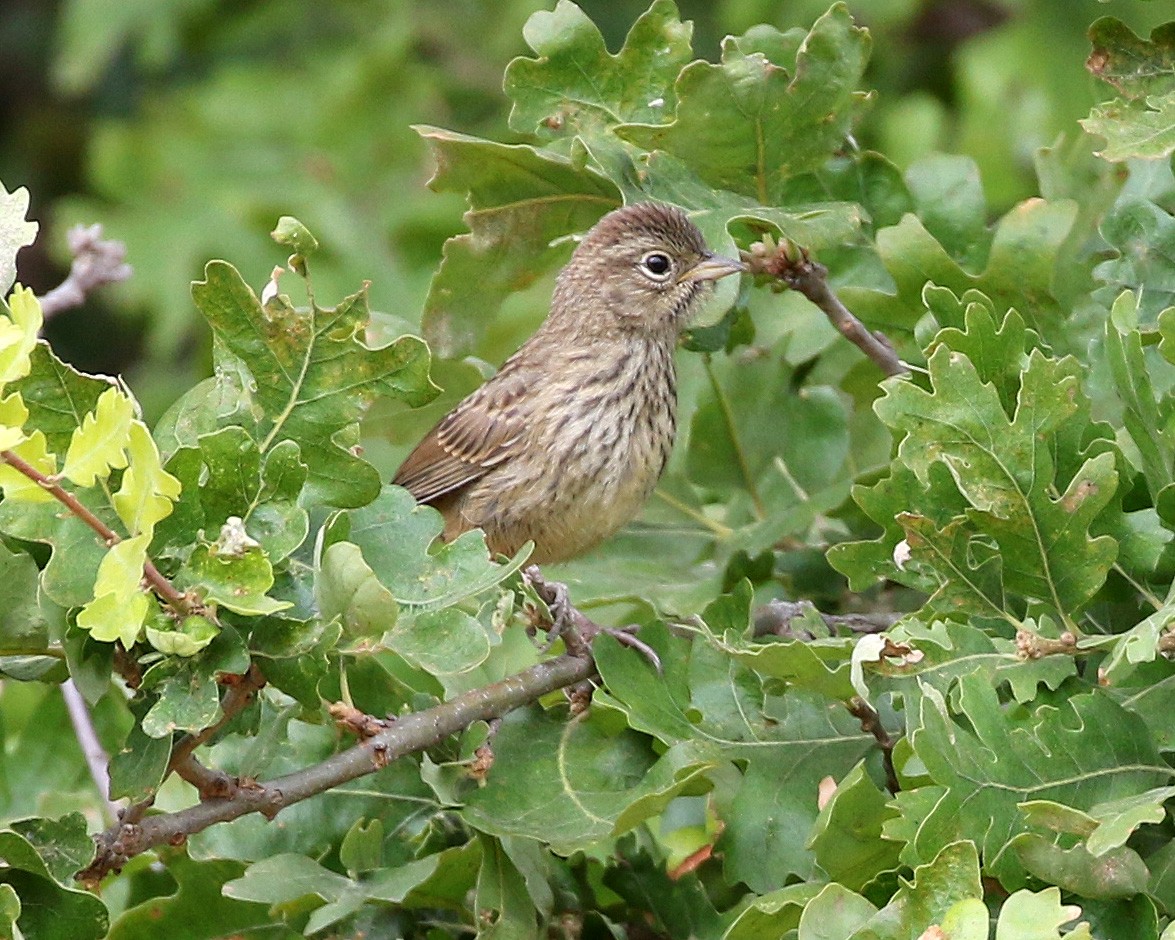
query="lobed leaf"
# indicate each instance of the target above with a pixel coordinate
(749, 123)
(524, 203)
(120, 606)
(577, 87)
(1084, 751)
(18, 333)
(99, 443)
(311, 377)
(15, 232)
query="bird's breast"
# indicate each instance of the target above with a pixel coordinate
(601, 433)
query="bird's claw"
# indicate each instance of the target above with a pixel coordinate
(577, 630)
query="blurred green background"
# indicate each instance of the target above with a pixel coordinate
(186, 127)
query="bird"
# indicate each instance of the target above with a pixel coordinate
(566, 442)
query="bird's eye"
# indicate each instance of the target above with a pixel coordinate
(657, 265)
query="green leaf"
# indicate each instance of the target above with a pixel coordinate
(791, 479)
(15, 232)
(236, 580)
(523, 204)
(147, 491)
(1119, 873)
(18, 332)
(1142, 122)
(287, 877)
(185, 638)
(9, 911)
(1004, 758)
(312, 376)
(1135, 67)
(193, 903)
(58, 396)
(442, 642)
(1146, 419)
(573, 783)
(835, 909)
(846, 839)
(787, 743)
(120, 606)
(1106, 826)
(362, 847)
(394, 534)
(24, 623)
(577, 87)
(776, 912)
(503, 904)
(262, 491)
(1035, 916)
(1144, 128)
(41, 856)
(189, 700)
(293, 234)
(945, 891)
(749, 123)
(1008, 480)
(33, 451)
(138, 767)
(1143, 235)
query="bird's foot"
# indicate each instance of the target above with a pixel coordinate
(575, 628)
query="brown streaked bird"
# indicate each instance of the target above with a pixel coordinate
(565, 443)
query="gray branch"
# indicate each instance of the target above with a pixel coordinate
(96, 261)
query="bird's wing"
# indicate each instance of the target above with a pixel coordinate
(483, 431)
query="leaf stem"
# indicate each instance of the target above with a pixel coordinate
(732, 430)
(716, 527)
(1153, 600)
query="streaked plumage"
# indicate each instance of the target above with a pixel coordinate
(566, 442)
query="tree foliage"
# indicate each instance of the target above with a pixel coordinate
(322, 721)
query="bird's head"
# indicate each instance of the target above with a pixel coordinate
(643, 267)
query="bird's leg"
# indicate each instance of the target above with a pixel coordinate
(577, 629)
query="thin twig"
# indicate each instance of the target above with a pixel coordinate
(871, 722)
(792, 266)
(174, 598)
(778, 617)
(96, 261)
(408, 734)
(240, 692)
(97, 760)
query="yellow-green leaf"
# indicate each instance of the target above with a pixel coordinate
(120, 606)
(100, 444)
(147, 491)
(33, 450)
(18, 334)
(13, 415)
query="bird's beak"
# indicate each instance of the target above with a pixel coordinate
(711, 268)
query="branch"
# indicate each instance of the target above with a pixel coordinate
(178, 601)
(793, 267)
(97, 760)
(871, 722)
(95, 262)
(210, 783)
(778, 617)
(405, 735)
(1031, 645)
